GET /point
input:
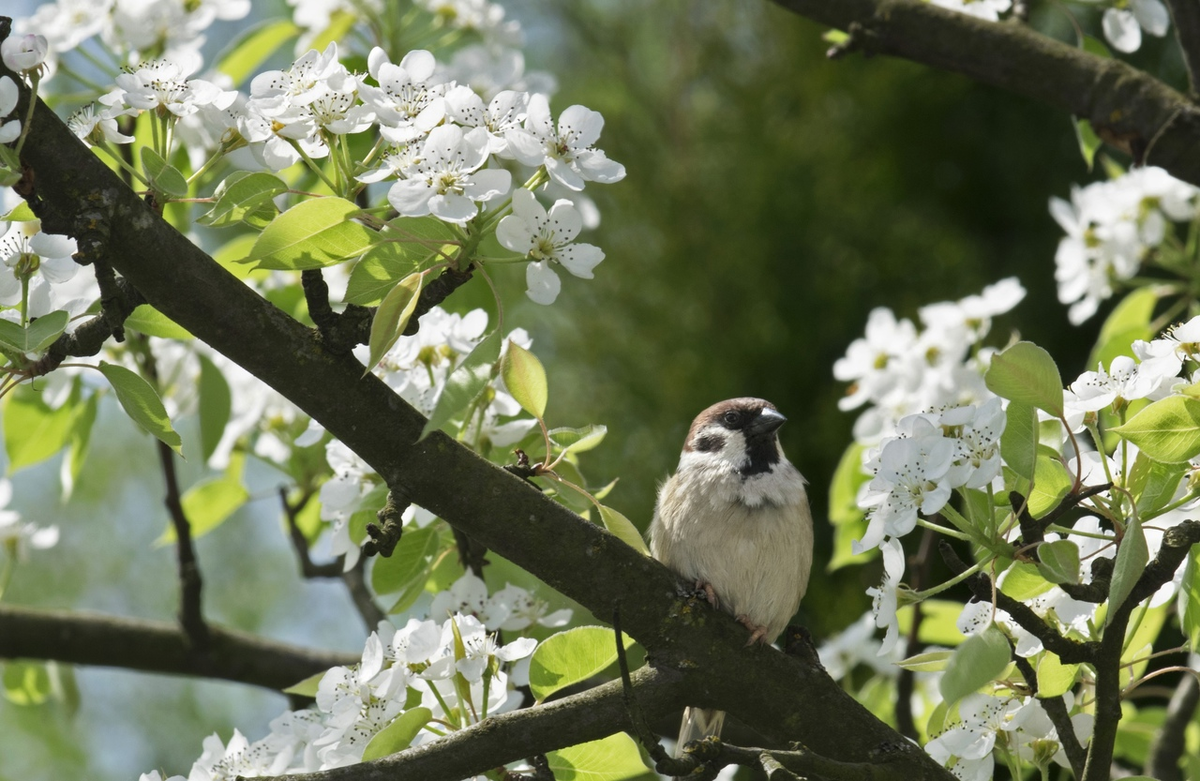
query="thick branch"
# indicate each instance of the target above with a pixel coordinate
(782, 697)
(1169, 743)
(157, 647)
(1177, 541)
(1130, 109)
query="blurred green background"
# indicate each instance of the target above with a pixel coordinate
(773, 198)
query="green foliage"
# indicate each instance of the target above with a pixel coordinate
(33, 431)
(314, 233)
(615, 758)
(1167, 430)
(141, 402)
(398, 735)
(467, 384)
(245, 197)
(571, 657)
(163, 177)
(1026, 373)
(151, 322)
(1132, 556)
(37, 336)
(409, 563)
(623, 528)
(1059, 561)
(525, 379)
(979, 659)
(392, 316)
(254, 46)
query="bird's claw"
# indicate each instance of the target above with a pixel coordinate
(709, 594)
(758, 634)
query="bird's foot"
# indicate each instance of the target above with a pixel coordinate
(758, 634)
(709, 594)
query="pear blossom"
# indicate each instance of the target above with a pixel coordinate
(547, 239)
(17, 536)
(884, 599)
(1124, 381)
(162, 85)
(566, 149)
(911, 478)
(96, 126)
(1111, 228)
(504, 112)
(1123, 24)
(11, 130)
(409, 99)
(449, 181)
(24, 53)
(982, 9)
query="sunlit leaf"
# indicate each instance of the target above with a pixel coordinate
(570, 657)
(312, 234)
(392, 317)
(614, 758)
(979, 659)
(398, 735)
(1167, 430)
(1132, 557)
(1026, 373)
(525, 379)
(141, 402)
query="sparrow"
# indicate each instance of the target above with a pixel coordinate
(734, 520)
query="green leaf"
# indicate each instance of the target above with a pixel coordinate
(20, 213)
(1128, 322)
(313, 234)
(1051, 482)
(79, 439)
(308, 687)
(835, 36)
(392, 317)
(1095, 46)
(1026, 373)
(408, 562)
(571, 657)
(141, 402)
(151, 322)
(32, 430)
(39, 335)
(928, 662)
(163, 177)
(1153, 484)
(429, 233)
(216, 405)
(525, 379)
(578, 440)
(623, 528)
(207, 505)
(465, 383)
(1019, 440)
(849, 522)
(615, 758)
(1053, 677)
(243, 194)
(1132, 557)
(1023, 581)
(979, 659)
(1089, 142)
(1167, 430)
(243, 56)
(398, 735)
(1187, 601)
(26, 683)
(377, 272)
(1059, 561)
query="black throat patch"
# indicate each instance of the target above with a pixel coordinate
(762, 453)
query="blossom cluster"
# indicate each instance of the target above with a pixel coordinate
(1123, 21)
(1112, 228)
(445, 150)
(896, 370)
(455, 669)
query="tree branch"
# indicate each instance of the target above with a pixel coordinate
(157, 647)
(781, 697)
(1131, 110)
(1168, 745)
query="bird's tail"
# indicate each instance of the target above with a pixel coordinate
(699, 723)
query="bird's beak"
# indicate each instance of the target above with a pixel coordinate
(767, 422)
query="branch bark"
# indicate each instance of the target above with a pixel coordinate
(1185, 14)
(157, 647)
(1130, 109)
(781, 697)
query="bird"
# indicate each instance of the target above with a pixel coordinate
(734, 520)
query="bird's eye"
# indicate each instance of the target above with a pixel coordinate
(732, 418)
